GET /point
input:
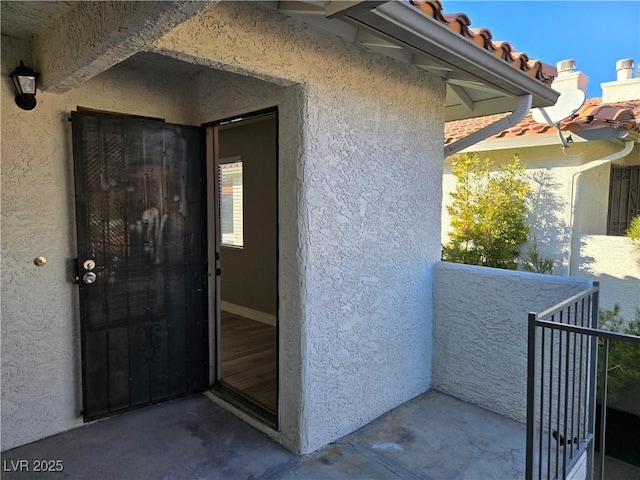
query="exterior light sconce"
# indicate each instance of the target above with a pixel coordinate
(24, 83)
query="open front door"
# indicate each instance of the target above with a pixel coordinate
(142, 265)
(243, 173)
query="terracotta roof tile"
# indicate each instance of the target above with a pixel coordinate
(460, 22)
(593, 114)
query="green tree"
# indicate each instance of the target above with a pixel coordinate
(487, 213)
(534, 262)
(624, 358)
(633, 232)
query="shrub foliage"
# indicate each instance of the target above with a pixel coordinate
(624, 358)
(488, 212)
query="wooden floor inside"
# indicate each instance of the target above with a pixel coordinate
(249, 358)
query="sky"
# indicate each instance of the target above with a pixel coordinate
(596, 34)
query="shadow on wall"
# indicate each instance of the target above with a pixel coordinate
(548, 232)
(624, 291)
(587, 262)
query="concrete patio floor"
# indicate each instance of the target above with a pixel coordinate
(434, 436)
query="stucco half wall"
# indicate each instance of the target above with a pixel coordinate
(360, 189)
(615, 263)
(480, 331)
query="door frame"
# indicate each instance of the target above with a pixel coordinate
(214, 273)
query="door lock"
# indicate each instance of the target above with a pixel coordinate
(89, 278)
(89, 265)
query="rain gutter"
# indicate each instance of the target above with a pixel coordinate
(628, 146)
(515, 117)
(405, 25)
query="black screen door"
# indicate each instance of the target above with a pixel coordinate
(141, 226)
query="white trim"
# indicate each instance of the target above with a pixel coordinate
(251, 420)
(538, 140)
(249, 313)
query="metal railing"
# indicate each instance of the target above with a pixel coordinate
(562, 371)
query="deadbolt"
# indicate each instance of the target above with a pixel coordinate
(89, 265)
(89, 278)
(39, 261)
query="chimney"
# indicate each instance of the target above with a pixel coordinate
(624, 68)
(568, 78)
(625, 87)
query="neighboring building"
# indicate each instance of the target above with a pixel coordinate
(584, 195)
(353, 230)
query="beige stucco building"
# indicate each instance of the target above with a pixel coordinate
(584, 195)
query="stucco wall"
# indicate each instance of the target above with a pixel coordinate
(614, 263)
(359, 218)
(41, 390)
(480, 331)
(368, 212)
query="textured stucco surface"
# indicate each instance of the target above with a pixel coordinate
(480, 331)
(41, 389)
(103, 35)
(367, 207)
(359, 217)
(613, 262)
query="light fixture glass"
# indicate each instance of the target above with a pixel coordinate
(24, 82)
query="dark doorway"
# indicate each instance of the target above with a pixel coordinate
(243, 168)
(141, 226)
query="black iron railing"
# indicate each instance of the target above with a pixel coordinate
(562, 387)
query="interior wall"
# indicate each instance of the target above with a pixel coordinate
(249, 274)
(41, 387)
(359, 213)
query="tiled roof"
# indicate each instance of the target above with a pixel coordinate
(460, 22)
(593, 114)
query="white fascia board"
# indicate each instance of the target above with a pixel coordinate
(551, 138)
(515, 143)
(410, 27)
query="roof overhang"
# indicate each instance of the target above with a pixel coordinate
(479, 82)
(551, 139)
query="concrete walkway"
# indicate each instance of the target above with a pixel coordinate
(433, 436)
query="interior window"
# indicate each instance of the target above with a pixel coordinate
(231, 204)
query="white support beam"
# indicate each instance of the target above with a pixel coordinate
(94, 36)
(370, 40)
(459, 92)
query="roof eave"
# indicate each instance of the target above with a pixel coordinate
(407, 25)
(578, 136)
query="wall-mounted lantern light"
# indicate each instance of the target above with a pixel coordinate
(24, 83)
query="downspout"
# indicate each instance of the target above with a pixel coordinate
(515, 117)
(628, 146)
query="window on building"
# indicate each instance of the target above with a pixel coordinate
(624, 199)
(231, 204)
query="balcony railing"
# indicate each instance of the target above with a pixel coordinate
(562, 377)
